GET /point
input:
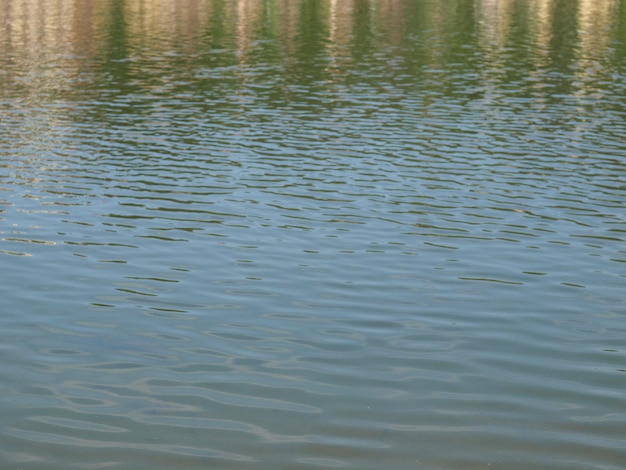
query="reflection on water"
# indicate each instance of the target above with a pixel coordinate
(303, 234)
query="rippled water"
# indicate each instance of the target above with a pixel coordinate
(293, 235)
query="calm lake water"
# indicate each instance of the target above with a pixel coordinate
(282, 234)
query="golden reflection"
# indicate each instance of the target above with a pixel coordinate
(594, 26)
(247, 14)
(340, 33)
(168, 22)
(30, 33)
(50, 47)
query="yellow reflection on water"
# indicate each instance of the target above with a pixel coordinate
(591, 25)
(49, 46)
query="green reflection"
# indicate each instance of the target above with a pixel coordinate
(309, 43)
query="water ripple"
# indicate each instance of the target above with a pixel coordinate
(390, 238)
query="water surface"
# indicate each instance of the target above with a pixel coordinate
(306, 234)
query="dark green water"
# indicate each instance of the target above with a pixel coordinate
(312, 234)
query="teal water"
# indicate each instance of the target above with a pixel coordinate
(280, 234)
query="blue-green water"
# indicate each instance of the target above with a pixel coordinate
(306, 234)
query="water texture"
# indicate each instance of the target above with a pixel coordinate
(278, 234)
